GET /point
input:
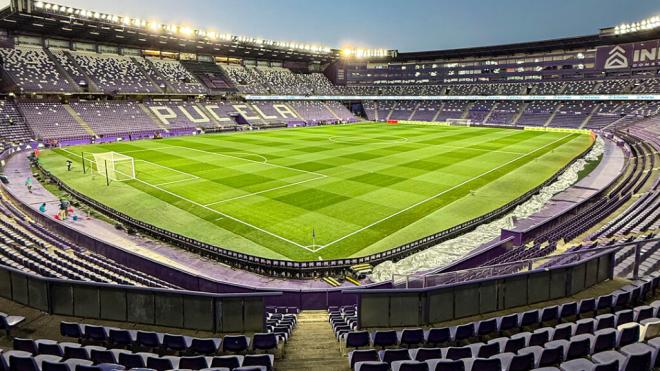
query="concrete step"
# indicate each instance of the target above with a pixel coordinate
(312, 345)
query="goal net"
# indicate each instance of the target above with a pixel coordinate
(118, 167)
(459, 122)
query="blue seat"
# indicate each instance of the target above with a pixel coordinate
(549, 314)
(540, 336)
(409, 366)
(71, 329)
(628, 334)
(151, 340)
(18, 363)
(25, 345)
(49, 347)
(438, 336)
(624, 316)
(585, 326)
(372, 366)
(102, 356)
(578, 347)
(132, 360)
(266, 341)
(358, 339)
(384, 339)
(529, 318)
(230, 362)
(193, 363)
(424, 354)
(587, 306)
(605, 339)
(177, 343)
(95, 333)
(205, 346)
(509, 322)
(235, 343)
(390, 355)
(487, 327)
(568, 310)
(484, 364)
(604, 321)
(455, 353)
(159, 363)
(446, 365)
(119, 337)
(410, 337)
(488, 350)
(605, 302)
(464, 332)
(366, 355)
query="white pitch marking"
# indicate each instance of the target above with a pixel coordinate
(169, 168)
(176, 181)
(436, 195)
(217, 212)
(245, 159)
(266, 190)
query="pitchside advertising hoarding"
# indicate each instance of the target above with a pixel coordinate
(625, 56)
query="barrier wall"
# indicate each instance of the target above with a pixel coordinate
(418, 307)
(244, 312)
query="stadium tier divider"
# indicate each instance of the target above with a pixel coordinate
(237, 312)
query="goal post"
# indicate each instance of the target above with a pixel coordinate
(459, 122)
(113, 165)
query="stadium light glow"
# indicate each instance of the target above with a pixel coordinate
(184, 31)
(363, 53)
(643, 25)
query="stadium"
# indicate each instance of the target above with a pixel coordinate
(176, 198)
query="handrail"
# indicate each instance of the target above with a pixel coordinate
(593, 253)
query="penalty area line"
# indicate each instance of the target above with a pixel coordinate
(219, 213)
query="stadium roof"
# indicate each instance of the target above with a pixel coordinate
(40, 18)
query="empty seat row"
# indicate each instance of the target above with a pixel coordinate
(119, 359)
(169, 342)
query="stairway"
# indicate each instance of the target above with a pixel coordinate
(153, 117)
(414, 112)
(554, 113)
(312, 346)
(437, 113)
(333, 113)
(518, 115)
(149, 76)
(80, 120)
(61, 70)
(591, 114)
(91, 84)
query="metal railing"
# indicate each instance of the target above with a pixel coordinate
(524, 265)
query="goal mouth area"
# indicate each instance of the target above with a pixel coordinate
(112, 165)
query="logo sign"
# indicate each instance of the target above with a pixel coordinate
(616, 58)
(633, 55)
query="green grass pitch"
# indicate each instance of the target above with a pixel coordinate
(359, 189)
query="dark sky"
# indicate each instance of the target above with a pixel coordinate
(407, 25)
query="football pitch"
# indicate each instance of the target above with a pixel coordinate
(324, 192)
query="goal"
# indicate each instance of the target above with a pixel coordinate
(115, 166)
(459, 122)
